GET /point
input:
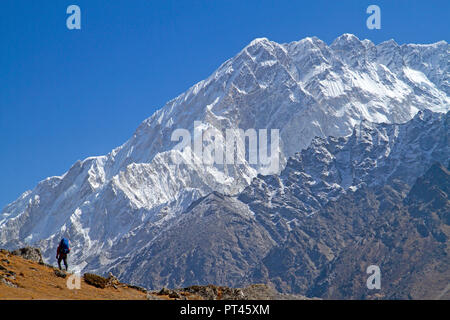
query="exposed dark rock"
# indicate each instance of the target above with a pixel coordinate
(414, 263)
(112, 281)
(137, 288)
(8, 283)
(60, 273)
(95, 280)
(29, 253)
(164, 292)
(252, 292)
(215, 242)
(174, 295)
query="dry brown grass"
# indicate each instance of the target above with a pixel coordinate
(36, 281)
(29, 280)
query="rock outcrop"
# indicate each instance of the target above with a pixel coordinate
(29, 253)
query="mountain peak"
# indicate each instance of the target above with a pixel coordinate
(259, 41)
(390, 42)
(346, 38)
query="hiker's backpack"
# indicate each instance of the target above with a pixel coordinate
(64, 245)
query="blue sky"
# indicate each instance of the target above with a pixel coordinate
(69, 94)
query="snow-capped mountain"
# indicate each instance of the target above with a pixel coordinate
(111, 206)
(288, 228)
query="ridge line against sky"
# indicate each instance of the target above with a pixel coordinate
(66, 95)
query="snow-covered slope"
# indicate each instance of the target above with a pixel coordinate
(111, 205)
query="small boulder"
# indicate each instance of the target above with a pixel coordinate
(174, 295)
(8, 283)
(95, 280)
(164, 292)
(137, 288)
(60, 273)
(112, 281)
(29, 253)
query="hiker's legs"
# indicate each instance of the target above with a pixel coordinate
(63, 257)
(65, 262)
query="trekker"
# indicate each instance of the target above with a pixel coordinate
(62, 251)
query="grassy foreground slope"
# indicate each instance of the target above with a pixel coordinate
(25, 279)
(24, 276)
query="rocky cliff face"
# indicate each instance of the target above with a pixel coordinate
(338, 207)
(408, 240)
